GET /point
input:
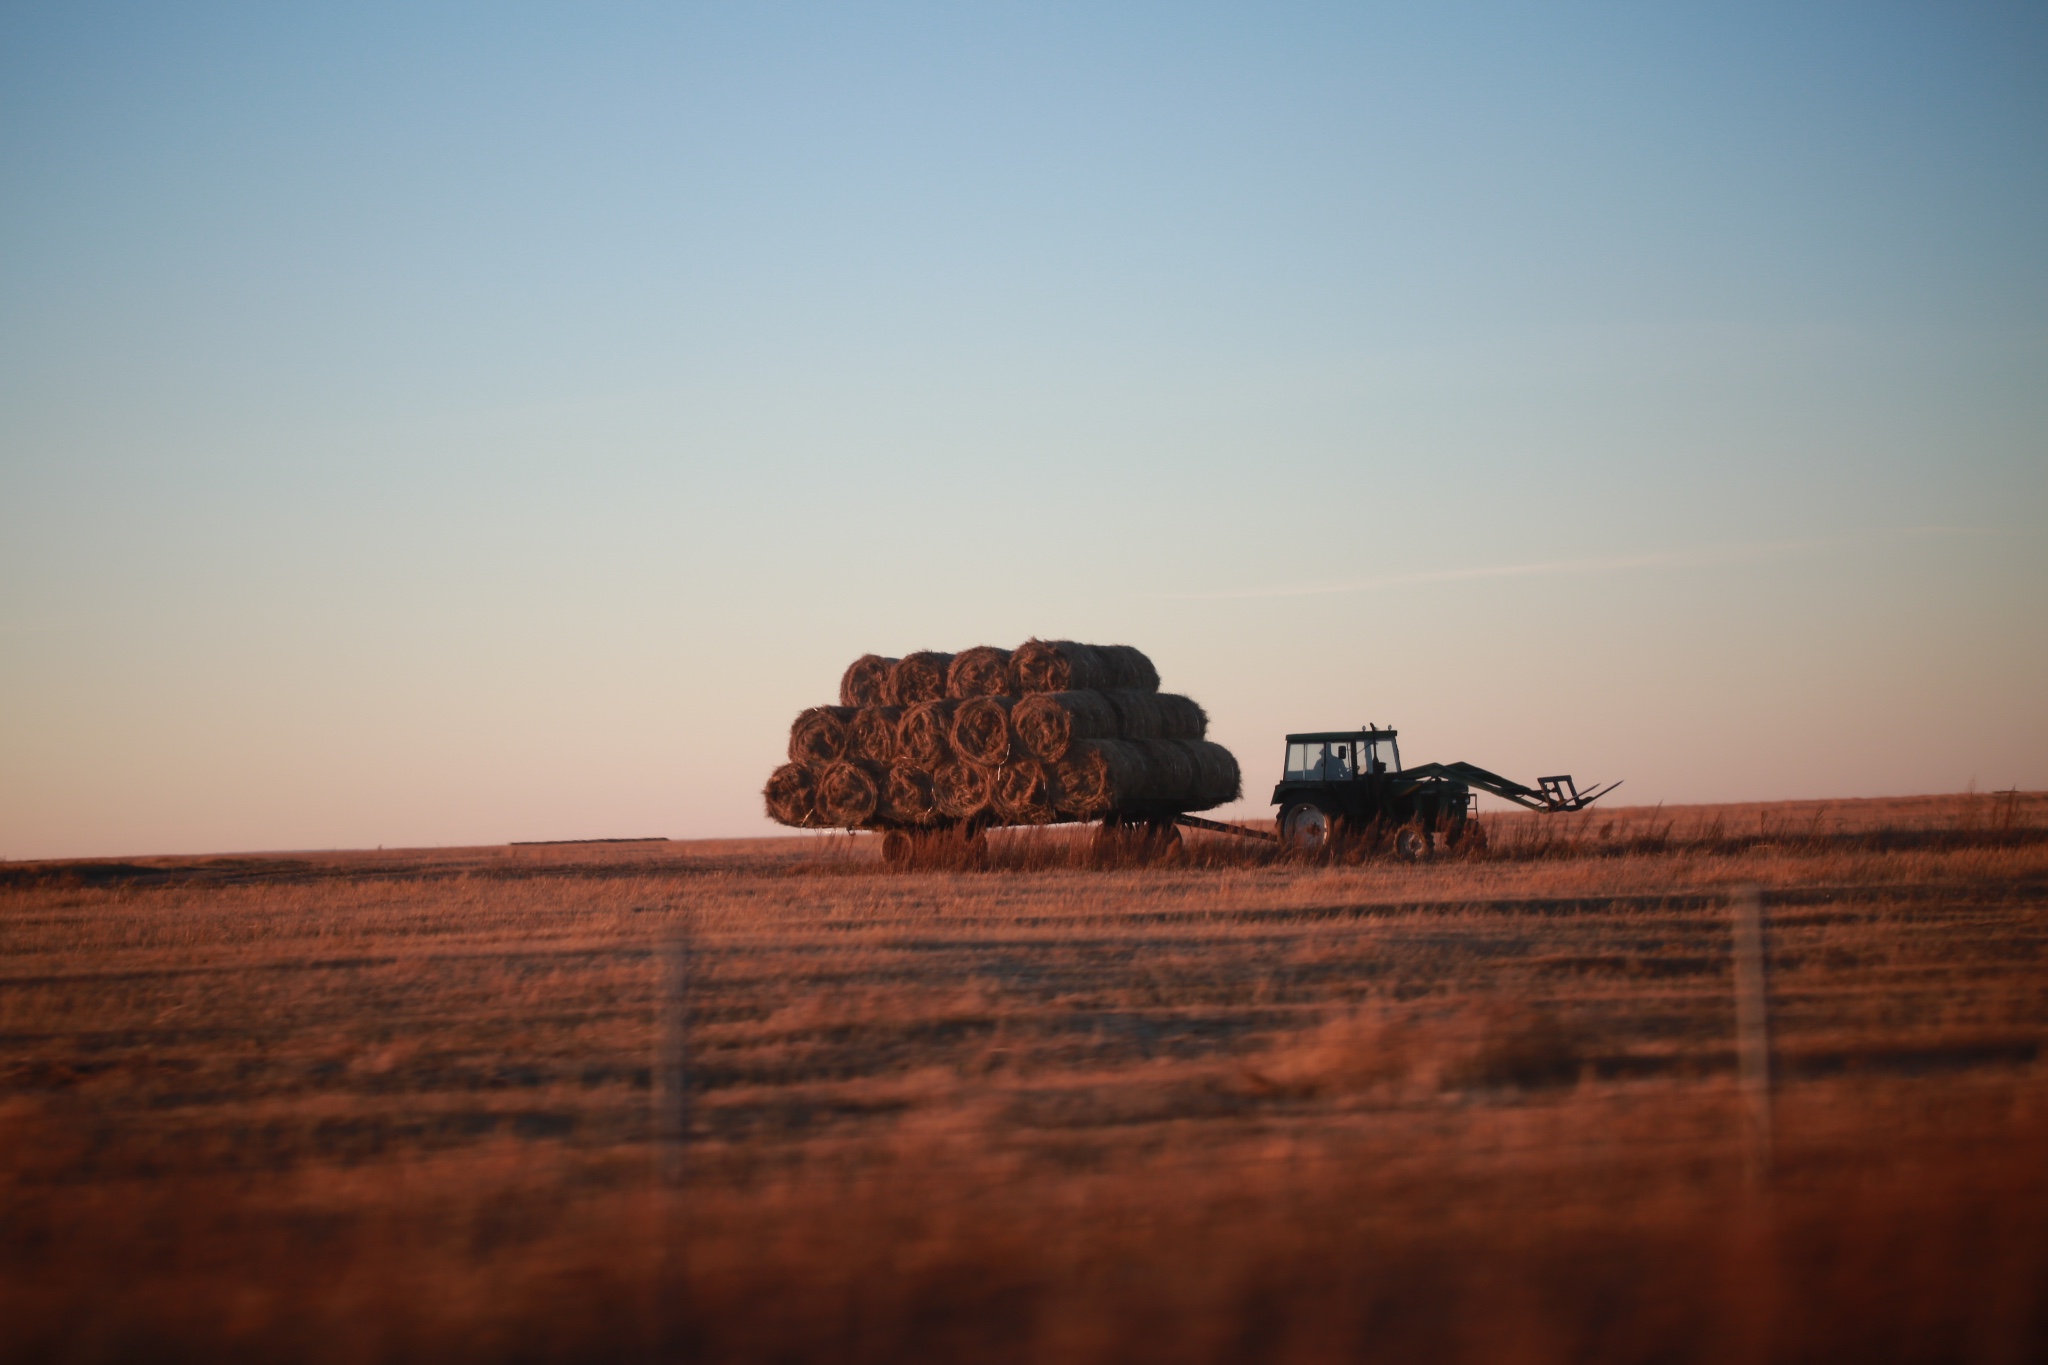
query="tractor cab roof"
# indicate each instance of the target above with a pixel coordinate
(1326, 736)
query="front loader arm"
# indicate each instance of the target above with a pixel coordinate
(1552, 795)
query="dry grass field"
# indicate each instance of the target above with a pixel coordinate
(393, 1106)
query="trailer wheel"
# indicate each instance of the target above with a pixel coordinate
(897, 846)
(1412, 842)
(1122, 842)
(1162, 841)
(1306, 828)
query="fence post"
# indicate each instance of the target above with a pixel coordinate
(671, 1092)
(669, 1129)
(1752, 1034)
(1755, 1283)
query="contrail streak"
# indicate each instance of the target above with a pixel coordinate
(1702, 555)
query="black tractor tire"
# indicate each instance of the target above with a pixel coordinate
(1306, 827)
(1413, 842)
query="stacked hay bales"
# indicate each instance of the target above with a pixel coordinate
(1051, 731)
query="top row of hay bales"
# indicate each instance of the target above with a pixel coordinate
(986, 671)
(990, 730)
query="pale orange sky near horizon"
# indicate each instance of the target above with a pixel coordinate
(439, 426)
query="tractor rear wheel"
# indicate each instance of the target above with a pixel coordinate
(1412, 842)
(1306, 828)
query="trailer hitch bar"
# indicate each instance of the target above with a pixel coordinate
(1197, 822)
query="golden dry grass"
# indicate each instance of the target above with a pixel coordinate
(1228, 1107)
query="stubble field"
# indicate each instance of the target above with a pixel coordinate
(401, 1105)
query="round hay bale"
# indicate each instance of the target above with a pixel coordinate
(1217, 778)
(819, 735)
(925, 734)
(1128, 668)
(1048, 723)
(1172, 769)
(1068, 666)
(1053, 666)
(1023, 793)
(918, 677)
(866, 681)
(981, 730)
(1157, 715)
(789, 794)
(848, 793)
(983, 671)
(961, 791)
(872, 735)
(907, 795)
(1100, 775)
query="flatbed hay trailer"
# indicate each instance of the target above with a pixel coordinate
(1348, 787)
(1139, 830)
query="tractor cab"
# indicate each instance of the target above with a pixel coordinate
(1346, 784)
(1341, 755)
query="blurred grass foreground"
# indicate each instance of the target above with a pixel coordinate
(404, 1106)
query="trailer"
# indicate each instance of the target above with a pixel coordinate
(1139, 831)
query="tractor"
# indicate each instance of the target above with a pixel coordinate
(1348, 786)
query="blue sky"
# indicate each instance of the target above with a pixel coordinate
(441, 425)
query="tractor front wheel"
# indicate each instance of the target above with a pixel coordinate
(1412, 842)
(1306, 828)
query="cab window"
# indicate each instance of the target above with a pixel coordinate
(1304, 762)
(1337, 763)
